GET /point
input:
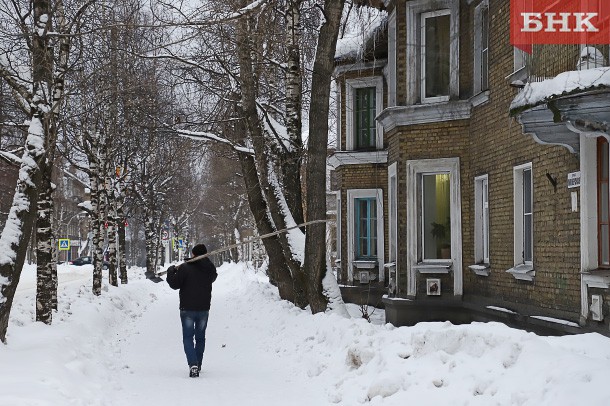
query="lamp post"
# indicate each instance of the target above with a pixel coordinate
(77, 215)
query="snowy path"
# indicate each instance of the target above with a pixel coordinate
(237, 369)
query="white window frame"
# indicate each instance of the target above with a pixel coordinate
(422, 63)
(391, 67)
(519, 239)
(393, 213)
(414, 9)
(478, 46)
(352, 195)
(416, 168)
(339, 214)
(481, 219)
(350, 86)
(519, 59)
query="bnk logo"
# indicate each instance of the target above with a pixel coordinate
(559, 22)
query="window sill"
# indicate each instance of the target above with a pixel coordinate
(480, 269)
(523, 272)
(480, 98)
(433, 268)
(597, 278)
(365, 264)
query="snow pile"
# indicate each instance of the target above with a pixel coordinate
(124, 348)
(565, 83)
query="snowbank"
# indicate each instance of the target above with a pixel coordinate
(123, 348)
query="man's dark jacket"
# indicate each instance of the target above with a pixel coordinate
(194, 279)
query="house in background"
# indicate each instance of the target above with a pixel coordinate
(455, 186)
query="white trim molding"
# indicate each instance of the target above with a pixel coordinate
(353, 194)
(340, 158)
(399, 116)
(350, 86)
(415, 169)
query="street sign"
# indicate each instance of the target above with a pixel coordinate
(180, 243)
(165, 235)
(573, 179)
(64, 244)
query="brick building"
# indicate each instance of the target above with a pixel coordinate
(452, 195)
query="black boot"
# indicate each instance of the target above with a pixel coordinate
(194, 372)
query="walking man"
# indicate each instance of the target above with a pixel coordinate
(194, 278)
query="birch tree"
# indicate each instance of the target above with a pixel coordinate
(35, 68)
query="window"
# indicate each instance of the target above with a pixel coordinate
(603, 204)
(432, 51)
(433, 221)
(524, 230)
(393, 212)
(436, 216)
(481, 220)
(481, 47)
(365, 241)
(435, 56)
(364, 101)
(364, 117)
(366, 228)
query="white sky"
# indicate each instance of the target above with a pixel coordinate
(124, 348)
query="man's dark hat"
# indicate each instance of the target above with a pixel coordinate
(199, 249)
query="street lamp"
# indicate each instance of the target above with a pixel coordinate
(77, 215)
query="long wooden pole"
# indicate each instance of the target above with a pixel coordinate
(228, 247)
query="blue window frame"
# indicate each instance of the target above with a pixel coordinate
(366, 227)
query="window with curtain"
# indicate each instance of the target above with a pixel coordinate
(436, 216)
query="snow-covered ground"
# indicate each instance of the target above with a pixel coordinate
(124, 348)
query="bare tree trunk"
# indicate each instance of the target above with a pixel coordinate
(18, 228)
(315, 245)
(291, 165)
(54, 260)
(122, 257)
(151, 252)
(278, 273)
(44, 271)
(95, 217)
(264, 167)
(112, 269)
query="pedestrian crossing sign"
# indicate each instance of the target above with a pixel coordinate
(178, 243)
(64, 244)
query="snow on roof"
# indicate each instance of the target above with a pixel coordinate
(563, 84)
(360, 25)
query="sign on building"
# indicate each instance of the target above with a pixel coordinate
(573, 179)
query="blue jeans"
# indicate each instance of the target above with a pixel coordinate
(194, 324)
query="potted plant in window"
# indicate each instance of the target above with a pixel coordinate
(442, 234)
